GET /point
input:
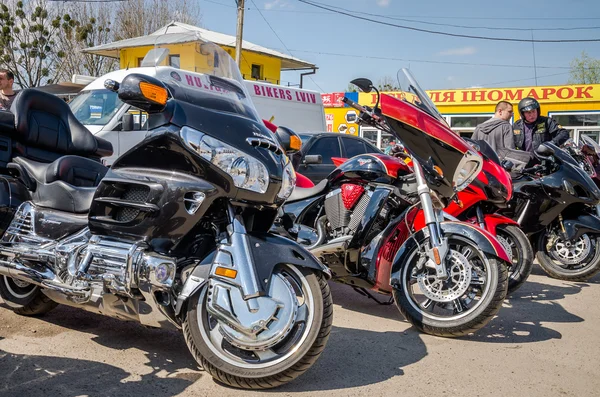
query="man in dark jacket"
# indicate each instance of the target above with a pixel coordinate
(497, 131)
(533, 129)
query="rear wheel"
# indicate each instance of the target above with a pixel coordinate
(284, 348)
(519, 250)
(24, 298)
(577, 260)
(460, 305)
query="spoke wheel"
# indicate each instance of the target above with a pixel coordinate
(519, 250)
(576, 260)
(459, 305)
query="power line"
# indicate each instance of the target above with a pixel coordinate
(337, 11)
(433, 62)
(531, 78)
(279, 38)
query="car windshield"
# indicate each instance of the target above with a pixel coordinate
(95, 107)
(304, 137)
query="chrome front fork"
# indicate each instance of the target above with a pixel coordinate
(439, 244)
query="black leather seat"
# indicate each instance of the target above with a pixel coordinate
(67, 184)
(45, 129)
(301, 193)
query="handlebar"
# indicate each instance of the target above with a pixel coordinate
(363, 110)
(533, 170)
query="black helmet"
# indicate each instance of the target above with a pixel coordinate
(528, 104)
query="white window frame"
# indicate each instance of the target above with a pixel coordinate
(577, 129)
(458, 130)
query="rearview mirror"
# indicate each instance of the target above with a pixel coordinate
(544, 151)
(508, 165)
(290, 141)
(365, 85)
(127, 122)
(141, 91)
(312, 159)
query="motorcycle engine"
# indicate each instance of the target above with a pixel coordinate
(344, 208)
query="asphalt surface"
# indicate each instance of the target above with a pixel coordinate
(544, 342)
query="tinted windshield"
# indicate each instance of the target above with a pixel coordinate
(95, 107)
(422, 100)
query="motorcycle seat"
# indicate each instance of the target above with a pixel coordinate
(301, 193)
(67, 184)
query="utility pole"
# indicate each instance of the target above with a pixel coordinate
(240, 30)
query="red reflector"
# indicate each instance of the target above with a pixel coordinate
(351, 194)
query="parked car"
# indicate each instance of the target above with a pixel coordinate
(314, 160)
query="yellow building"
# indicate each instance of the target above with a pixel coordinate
(575, 107)
(257, 62)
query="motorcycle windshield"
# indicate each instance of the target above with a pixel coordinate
(425, 134)
(214, 82)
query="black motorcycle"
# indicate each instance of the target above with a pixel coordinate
(557, 205)
(175, 233)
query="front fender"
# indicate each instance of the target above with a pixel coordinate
(575, 228)
(492, 221)
(267, 251)
(485, 241)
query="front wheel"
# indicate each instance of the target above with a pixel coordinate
(462, 304)
(24, 298)
(569, 260)
(519, 250)
(284, 347)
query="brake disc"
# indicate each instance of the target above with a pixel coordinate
(506, 245)
(571, 253)
(459, 279)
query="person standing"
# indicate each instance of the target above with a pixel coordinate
(7, 95)
(533, 129)
(497, 131)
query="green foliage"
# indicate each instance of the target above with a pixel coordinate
(585, 70)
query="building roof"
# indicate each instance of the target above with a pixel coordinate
(179, 33)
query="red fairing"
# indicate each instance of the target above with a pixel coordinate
(337, 161)
(302, 181)
(492, 221)
(350, 194)
(410, 114)
(270, 125)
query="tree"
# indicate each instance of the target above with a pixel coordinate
(135, 18)
(85, 26)
(351, 88)
(387, 83)
(27, 42)
(585, 70)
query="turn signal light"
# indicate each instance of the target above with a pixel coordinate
(295, 142)
(436, 256)
(154, 93)
(439, 171)
(225, 272)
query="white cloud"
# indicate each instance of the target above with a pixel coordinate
(459, 51)
(450, 78)
(275, 4)
(383, 3)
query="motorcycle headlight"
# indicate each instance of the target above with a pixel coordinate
(246, 171)
(467, 170)
(288, 183)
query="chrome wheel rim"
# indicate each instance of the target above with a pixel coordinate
(218, 336)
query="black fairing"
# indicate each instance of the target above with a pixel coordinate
(548, 195)
(142, 196)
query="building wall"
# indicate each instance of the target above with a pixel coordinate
(191, 59)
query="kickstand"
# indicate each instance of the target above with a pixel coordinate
(366, 293)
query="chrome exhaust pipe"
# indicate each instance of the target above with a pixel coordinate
(44, 278)
(332, 247)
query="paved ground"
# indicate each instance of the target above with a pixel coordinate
(543, 343)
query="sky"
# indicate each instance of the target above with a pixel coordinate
(344, 48)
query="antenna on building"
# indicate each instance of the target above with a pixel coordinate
(534, 66)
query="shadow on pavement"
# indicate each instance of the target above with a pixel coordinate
(526, 314)
(29, 375)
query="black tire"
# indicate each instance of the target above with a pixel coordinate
(250, 378)
(522, 254)
(472, 321)
(578, 272)
(25, 299)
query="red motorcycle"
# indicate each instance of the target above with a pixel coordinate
(477, 204)
(447, 277)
